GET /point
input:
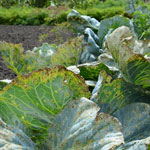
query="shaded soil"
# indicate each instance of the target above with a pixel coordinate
(30, 37)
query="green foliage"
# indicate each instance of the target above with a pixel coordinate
(90, 71)
(141, 25)
(131, 6)
(13, 139)
(33, 16)
(101, 4)
(81, 22)
(57, 31)
(139, 128)
(103, 13)
(81, 126)
(115, 94)
(35, 99)
(2, 85)
(21, 63)
(51, 15)
(68, 53)
(110, 24)
(45, 56)
(48, 100)
(134, 67)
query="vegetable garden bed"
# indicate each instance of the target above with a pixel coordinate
(29, 36)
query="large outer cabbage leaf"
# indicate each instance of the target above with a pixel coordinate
(36, 98)
(135, 120)
(14, 139)
(134, 67)
(112, 94)
(81, 127)
(81, 22)
(143, 144)
(110, 24)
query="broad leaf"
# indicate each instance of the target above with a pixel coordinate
(92, 49)
(111, 24)
(111, 95)
(35, 99)
(81, 126)
(80, 22)
(90, 71)
(2, 85)
(143, 144)
(135, 120)
(107, 59)
(14, 139)
(134, 67)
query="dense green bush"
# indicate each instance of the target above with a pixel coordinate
(51, 15)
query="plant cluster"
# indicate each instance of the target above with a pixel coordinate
(48, 106)
(50, 15)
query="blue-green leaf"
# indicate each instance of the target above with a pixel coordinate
(81, 126)
(14, 139)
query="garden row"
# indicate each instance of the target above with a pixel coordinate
(49, 106)
(51, 15)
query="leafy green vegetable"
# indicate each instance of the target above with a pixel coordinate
(81, 126)
(136, 145)
(40, 57)
(107, 59)
(68, 53)
(90, 71)
(135, 120)
(92, 49)
(36, 98)
(2, 85)
(134, 67)
(14, 139)
(81, 22)
(109, 25)
(111, 95)
(20, 63)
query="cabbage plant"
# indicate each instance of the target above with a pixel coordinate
(52, 105)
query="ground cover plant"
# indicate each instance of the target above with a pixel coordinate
(48, 106)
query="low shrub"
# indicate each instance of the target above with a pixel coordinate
(51, 15)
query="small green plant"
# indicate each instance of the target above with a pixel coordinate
(142, 24)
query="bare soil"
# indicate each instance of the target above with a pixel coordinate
(30, 37)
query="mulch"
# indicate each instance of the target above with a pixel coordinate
(30, 37)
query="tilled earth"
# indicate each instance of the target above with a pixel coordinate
(30, 37)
